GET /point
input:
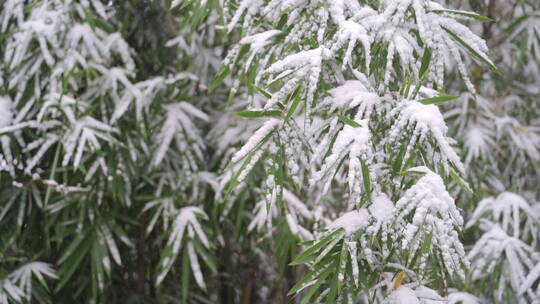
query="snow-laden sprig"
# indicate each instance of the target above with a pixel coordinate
(258, 138)
(525, 138)
(329, 257)
(355, 94)
(186, 222)
(402, 43)
(116, 83)
(257, 43)
(80, 131)
(245, 158)
(528, 25)
(65, 46)
(246, 8)
(228, 132)
(179, 126)
(511, 213)
(445, 36)
(435, 220)
(6, 119)
(295, 211)
(527, 287)
(353, 143)
(442, 34)
(302, 66)
(10, 292)
(352, 30)
(496, 249)
(339, 252)
(12, 12)
(24, 275)
(479, 143)
(42, 24)
(422, 122)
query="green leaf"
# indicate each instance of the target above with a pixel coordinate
(427, 243)
(348, 121)
(234, 181)
(258, 113)
(315, 287)
(465, 14)
(438, 99)
(73, 247)
(365, 177)
(223, 72)
(426, 58)
(308, 278)
(397, 164)
(484, 60)
(185, 276)
(72, 263)
(327, 250)
(309, 253)
(277, 80)
(407, 172)
(262, 91)
(519, 20)
(205, 255)
(295, 101)
(458, 180)
(342, 265)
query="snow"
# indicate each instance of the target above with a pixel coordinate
(351, 221)
(6, 111)
(295, 203)
(428, 296)
(456, 297)
(260, 40)
(402, 295)
(354, 93)
(303, 58)
(382, 207)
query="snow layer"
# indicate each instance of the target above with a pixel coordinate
(351, 221)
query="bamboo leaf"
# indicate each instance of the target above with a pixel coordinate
(427, 243)
(471, 50)
(399, 279)
(465, 14)
(315, 287)
(223, 72)
(185, 276)
(295, 101)
(348, 121)
(263, 91)
(366, 178)
(458, 180)
(426, 58)
(438, 100)
(258, 113)
(308, 254)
